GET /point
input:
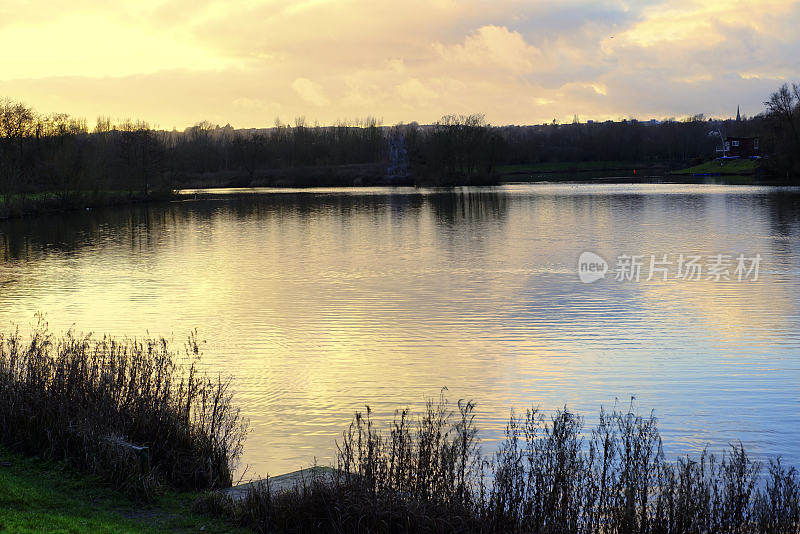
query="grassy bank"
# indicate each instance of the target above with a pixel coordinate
(44, 496)
(581, 170)
(309, 176)
(20, 205)
(722, 167)
(365, 175)
(569, 166)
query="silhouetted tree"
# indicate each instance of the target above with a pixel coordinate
(783, 131)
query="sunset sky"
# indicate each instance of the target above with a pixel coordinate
(246, 62)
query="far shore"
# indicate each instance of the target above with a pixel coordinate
(372, 175)
(43, 203)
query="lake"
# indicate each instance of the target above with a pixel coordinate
(319, 302)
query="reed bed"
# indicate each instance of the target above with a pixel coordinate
(134, 412)
(142, 416)
(551, 474)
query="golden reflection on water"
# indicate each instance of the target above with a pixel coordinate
(321, 301)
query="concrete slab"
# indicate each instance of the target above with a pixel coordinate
(285, 482)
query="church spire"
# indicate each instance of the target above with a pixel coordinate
(738, 115)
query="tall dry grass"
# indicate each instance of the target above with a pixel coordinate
(133, 411)
(550, 474)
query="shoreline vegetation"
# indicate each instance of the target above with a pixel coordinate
(132, 412)
(54, 161)
(151, 432)
(23, 205)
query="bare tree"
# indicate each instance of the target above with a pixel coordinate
(783, 103)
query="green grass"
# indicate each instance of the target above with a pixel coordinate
(737, 166)
(574, 170)
(567, 166)
(40, 496)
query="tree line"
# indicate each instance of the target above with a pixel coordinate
(780, 127)
(57, 153)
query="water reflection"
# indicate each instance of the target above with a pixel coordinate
(321, 301)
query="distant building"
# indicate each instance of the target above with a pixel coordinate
(741, 147)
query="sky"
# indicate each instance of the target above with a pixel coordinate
(249, 63)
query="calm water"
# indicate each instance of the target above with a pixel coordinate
(321, 301)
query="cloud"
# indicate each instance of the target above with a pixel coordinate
(310, 92)
(492, 46)
(415, 90)
(179, 61)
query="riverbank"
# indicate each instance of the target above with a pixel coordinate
(360, 175)
(426, 473)
(582, 170)
(373, 175)
(367, 175)
(356, 175)
(42, 496)
(718, 167)
(23, 205)
(141, 429)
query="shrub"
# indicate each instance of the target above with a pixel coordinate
(124, 409)
(549, 475)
